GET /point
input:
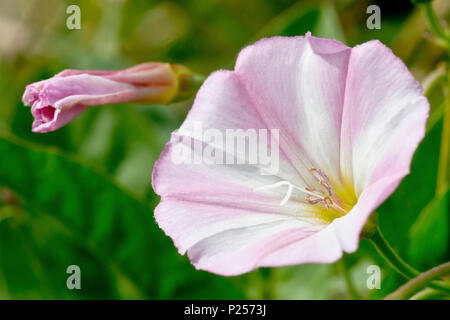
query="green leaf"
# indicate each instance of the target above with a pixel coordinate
(72, 214)
(328, 25)
(428, 244)
(399, 212)
(301, 17)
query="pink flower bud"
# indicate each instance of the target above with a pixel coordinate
(57, 101)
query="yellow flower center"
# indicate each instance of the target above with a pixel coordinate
(331, 203)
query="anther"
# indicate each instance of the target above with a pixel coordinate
(328, 202)
(313, 200)
(319, 175)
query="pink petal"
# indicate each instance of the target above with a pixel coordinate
(342, 234)
(155, 73)
(241, 249)
(384, 117)
(200, 201)
(298, 85)
(329, 103)
(56, 101)
(71, 95)
(48, 118)
(203, 204)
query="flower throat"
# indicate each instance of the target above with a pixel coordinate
(325, 197)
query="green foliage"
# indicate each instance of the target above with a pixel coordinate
(428, 245)
(70, 214)
(82, 195)
(401, 210)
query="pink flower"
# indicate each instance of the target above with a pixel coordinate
(349, 121)
(56, 101)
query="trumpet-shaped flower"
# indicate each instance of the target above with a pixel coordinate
(349, 121)
(56, 101)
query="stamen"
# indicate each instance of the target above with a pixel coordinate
(319, 175)
(313, 200)
(322, 179)
(324, 182)
(331, 200)
(328, 202)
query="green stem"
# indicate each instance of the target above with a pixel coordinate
(435, 79)
(391, 256)
(443, 175)
(189, 86)
(427, 294)
(435, 25)
(396, 262)
(419, 282)
(346, 273)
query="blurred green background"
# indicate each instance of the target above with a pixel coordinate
(83, 196)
